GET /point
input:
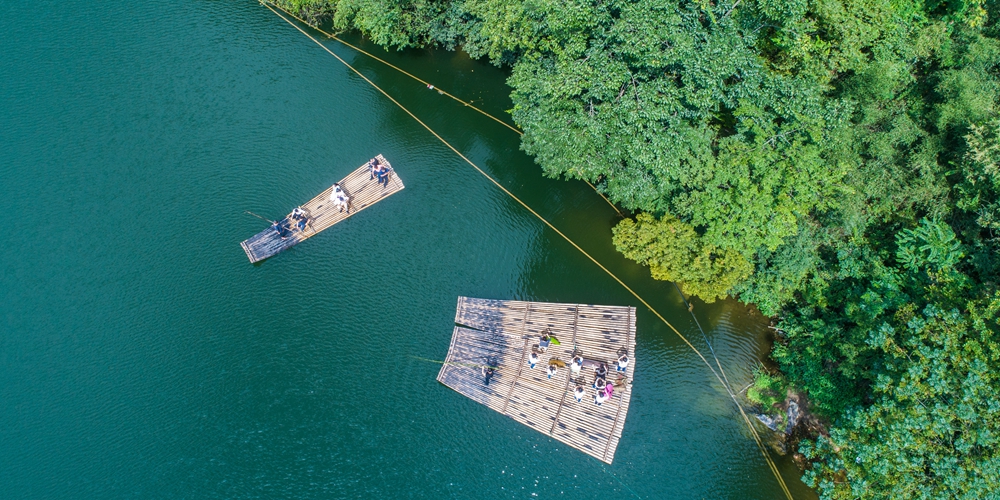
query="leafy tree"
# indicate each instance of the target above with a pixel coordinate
(931, 431)
(674, 252)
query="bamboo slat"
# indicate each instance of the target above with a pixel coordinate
(502, 333)
(360, 188)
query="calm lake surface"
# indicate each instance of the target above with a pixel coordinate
(143, 356)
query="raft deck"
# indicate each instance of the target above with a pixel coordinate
(501, 333)
(358, 185)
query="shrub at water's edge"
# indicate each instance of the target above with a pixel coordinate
(833, 162)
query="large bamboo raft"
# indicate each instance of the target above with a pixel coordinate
(501, 334)
(321, 212)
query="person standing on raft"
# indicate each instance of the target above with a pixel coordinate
(487, 372)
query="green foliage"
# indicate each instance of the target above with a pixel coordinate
(931, 431)
(767, 389)
(914, 395)
(932, 245)
(674, 252)
(979, 197)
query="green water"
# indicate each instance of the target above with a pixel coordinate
(142, 356)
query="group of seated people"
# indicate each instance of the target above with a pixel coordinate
(379, 171)
(604, 389)
(296, 222)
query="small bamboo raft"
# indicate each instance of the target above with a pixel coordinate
(322, 213)
(501, 334)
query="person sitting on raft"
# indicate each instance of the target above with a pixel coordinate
(383, 175)
(339, 198)
(302, 223)
(609, 390)
(373, 165)
(600, 397)
(297, 213)
(622, 363)
(576, 365)
(578, 393)
(281, 228)
(336, 191)
(343, 203)
(532, 359)
(543, 343)
(552, 370)
(600, 373)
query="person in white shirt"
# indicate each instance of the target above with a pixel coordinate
(532, 359)
(578, 393)
(552, 370)
(599, 384)
(623, 363)
(340, 198)
(600, 397)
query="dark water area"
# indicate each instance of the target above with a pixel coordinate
(142, 356)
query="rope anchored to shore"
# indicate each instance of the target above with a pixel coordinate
(753, 430)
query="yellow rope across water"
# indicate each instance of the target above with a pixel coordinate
(425, 83)
(746, 419)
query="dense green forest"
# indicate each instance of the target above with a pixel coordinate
(834, 162)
